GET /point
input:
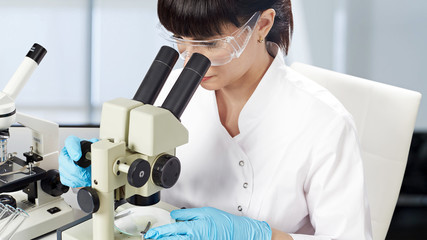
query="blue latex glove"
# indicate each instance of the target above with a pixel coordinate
(210, 223)
(70, 173)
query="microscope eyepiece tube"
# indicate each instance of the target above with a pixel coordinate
(37, 53)
(156, 75)
(24, 71)
(186, 84)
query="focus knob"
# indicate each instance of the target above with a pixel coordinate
(139, 173)
(52, 185)
(88, 200)
(85, 159)
(166, 171)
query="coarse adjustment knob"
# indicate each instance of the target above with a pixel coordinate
(85, 159)
(166, 171)
(139, 173)
(52, 185)
(88, 200)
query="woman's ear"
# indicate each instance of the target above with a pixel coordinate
(265, 22)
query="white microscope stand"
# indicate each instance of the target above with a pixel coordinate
(41, 221)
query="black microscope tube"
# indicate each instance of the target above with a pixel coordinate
(156, 75)
(186, 84)
(37, 53)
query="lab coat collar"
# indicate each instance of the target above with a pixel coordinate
(265, 93)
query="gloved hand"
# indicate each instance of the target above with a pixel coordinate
(70, 173)
(210, 223)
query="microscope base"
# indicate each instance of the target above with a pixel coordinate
(41, 221)
(83, 231)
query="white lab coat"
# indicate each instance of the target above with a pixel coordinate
(295, 164)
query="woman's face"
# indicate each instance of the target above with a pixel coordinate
(234, 73)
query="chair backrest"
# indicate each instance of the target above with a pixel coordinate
(385, 117)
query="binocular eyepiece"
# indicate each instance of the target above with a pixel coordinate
(185, 86)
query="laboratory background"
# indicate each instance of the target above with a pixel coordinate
(98, 50)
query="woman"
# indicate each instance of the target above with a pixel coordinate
(272, 155)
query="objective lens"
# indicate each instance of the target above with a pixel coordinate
(3, 149)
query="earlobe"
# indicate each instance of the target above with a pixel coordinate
(266, 21)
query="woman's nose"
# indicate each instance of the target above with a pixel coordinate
(187, 57)
(189, 52)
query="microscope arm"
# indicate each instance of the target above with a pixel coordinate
(45, 138)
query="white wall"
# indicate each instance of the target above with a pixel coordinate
(383, 40)
(399, 47)
(125, 42)
(101, 49)
(61, 79)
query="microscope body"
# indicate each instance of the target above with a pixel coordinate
(135, 157)
(135, 153)
(25, 184)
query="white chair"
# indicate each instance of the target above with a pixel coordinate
(385, 118)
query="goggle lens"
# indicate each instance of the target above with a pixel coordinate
(219, 51)
(217, 55)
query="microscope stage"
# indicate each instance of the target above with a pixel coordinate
(18, 181)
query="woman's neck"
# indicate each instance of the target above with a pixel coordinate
(232, 99)
(241, 89)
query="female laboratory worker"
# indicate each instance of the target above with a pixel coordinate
(272, 155)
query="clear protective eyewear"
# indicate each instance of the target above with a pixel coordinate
(220, 51)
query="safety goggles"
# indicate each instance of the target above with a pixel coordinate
(219, 51)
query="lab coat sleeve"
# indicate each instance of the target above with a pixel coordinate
(334, 187)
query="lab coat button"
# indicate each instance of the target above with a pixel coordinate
(245, 185)
(241, 163)
(239, 208)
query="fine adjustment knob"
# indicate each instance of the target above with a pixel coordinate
(52, 185)
(88, 200)
(166, 171)
(139, 173)
(85, 159)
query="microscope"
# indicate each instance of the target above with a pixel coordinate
(24, 183)
(135, 157)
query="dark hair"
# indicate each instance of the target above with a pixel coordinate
(206, 18)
